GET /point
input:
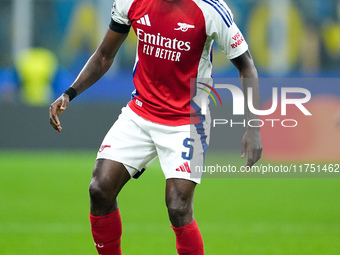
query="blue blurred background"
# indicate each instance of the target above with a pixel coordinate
(45, 43)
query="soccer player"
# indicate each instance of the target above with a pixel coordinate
(174, 45)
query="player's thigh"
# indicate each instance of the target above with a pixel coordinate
(108, 178)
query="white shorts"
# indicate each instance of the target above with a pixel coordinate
(136, 142)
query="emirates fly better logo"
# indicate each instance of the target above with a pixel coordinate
(239, 104)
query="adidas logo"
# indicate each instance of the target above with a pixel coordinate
(184, 168)
(144, 20)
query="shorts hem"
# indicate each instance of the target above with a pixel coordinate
(131, 169)
(195, 180)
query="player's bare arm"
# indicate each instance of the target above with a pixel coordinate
(251, 142)
(97, 65)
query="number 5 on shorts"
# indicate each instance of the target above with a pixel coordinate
(186, 143)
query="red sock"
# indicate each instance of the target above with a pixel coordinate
(106, 232)
(189, 240)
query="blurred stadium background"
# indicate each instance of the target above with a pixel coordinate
(44, 175)
(287, 38)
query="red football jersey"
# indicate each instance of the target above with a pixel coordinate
(175, 40)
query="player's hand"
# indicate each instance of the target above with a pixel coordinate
(252, 145)
(56, 108)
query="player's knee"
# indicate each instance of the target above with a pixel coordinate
(179, 209)
(98, 194)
